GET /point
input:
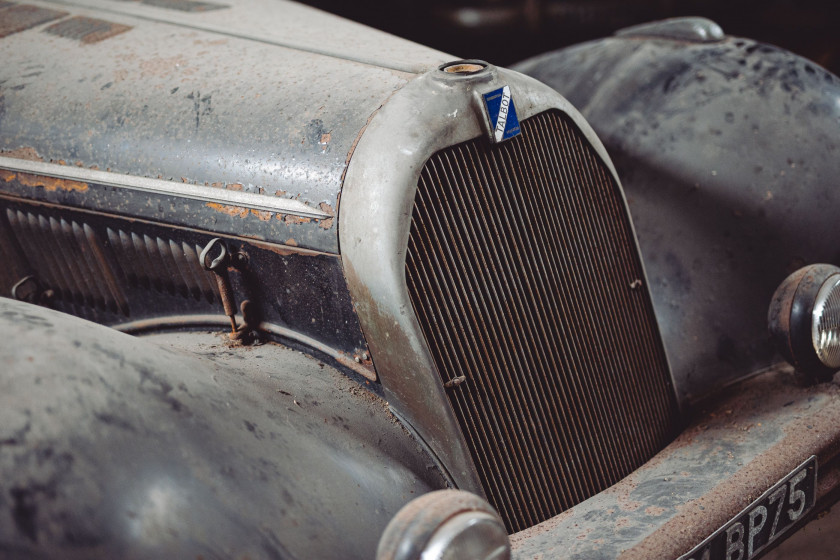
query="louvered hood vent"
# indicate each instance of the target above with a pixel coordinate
(95, 270)
(525, 278)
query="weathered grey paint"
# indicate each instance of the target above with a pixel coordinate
(114, 447)
(728, 153)
(242, 97)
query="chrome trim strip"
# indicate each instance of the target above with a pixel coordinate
(163, 187)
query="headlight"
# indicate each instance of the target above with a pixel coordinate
(445, 525)
(804, 320)
(825, 331)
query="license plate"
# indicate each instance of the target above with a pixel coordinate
(764, 521)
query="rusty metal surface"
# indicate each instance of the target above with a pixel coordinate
(733, 451)
(183, 446)
(727, 151)
(223, 108)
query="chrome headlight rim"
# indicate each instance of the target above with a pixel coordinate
(794, 318)
(434, 526)
(825, 326)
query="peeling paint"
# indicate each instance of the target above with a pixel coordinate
(326, 224)
(291, 219)
(229, 210)
(263, 215)
(22, 153)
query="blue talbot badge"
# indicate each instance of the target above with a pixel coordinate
(502, 114)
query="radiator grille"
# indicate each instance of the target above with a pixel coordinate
(523, 273)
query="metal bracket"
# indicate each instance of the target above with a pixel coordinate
(219, 265)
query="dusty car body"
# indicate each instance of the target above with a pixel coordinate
(416, 273)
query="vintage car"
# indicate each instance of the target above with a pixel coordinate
(278, 285)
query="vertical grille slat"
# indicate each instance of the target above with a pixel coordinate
(520, 267)
(550, 239)
(522, 286)
(582, 222)
(522, 468)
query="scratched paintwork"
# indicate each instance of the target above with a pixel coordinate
(217, 108)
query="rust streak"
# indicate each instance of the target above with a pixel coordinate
(263, 215)
(545, 527)
(7, 176)
(237, 211)
(327, 209)
(51, 183)
(290, 219)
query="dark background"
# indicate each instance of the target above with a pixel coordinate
(507, 31)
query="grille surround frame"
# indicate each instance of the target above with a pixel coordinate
(374, 222)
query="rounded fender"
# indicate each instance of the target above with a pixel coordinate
(118, 447)
(728, 152)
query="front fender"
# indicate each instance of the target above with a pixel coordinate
(727, 149)
(117, 447)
